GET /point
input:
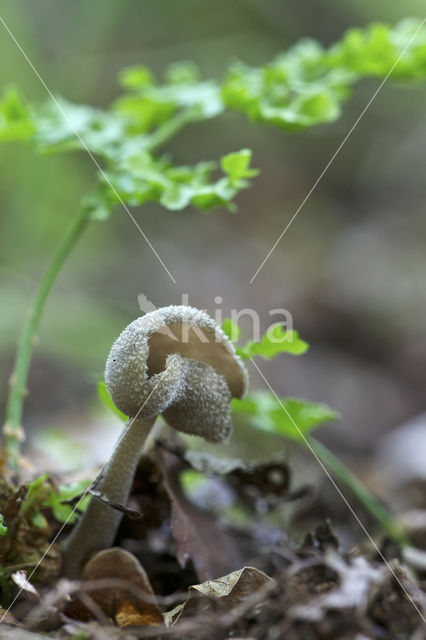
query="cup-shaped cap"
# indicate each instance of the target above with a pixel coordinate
(177, 362)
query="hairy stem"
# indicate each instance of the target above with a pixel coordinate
(367, 499)
(98, 525)
(12, 431)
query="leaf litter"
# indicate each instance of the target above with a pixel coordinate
(184, 571)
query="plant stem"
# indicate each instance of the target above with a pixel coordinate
(13, 433)
(367, 499)
(169, 129)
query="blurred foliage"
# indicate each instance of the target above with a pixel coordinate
(301, 88)
(288, 417)
(3, 529)
(374, 51)
(120, 136)
(307, 85)
(41, 493)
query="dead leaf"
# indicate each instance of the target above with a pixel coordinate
(250, 480)
(20, 578)
(319, 541)
(198, 535)
(7, 618)
(398, 604)
(261, 486)
(351, 589)
(125, 597)
(222, 595)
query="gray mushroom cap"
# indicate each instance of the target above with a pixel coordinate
(177, 362)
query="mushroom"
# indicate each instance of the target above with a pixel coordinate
(175, 362)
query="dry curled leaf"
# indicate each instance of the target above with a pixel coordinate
(222, 595)
(124, 595)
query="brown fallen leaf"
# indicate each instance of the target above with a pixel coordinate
(124, 595)
(198, 535)
(223, 595)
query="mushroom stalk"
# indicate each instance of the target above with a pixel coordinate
(98, 525)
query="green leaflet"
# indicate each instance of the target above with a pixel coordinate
(149, 104)
(3, 528)
(231, 330)
(141, 178)
(289, 417)
(65, 512)
(276, 340)
(16, 122)
(105, 398)
(237, 166)
(41, 493)
(295, 91)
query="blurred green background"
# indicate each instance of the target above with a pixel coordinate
(351, 269)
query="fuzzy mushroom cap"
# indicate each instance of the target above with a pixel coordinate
(177, 362)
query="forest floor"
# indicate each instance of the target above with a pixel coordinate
(236, 553)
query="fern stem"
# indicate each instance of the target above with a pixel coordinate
(13, 432)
